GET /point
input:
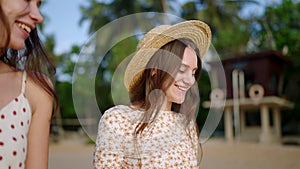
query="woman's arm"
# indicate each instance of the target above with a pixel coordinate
(38, 135)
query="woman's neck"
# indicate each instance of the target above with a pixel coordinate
(4, 68)
(167, 106)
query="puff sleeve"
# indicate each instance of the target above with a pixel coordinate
(108, 148)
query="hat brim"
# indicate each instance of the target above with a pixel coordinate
(196, 31)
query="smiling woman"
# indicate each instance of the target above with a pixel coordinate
(21, 25)
(158, 129)
(26, 100)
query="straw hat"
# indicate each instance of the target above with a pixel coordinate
(196, 31)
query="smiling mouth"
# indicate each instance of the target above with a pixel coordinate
(25, 27)
(182, 88)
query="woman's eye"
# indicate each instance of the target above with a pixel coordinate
(181, 70)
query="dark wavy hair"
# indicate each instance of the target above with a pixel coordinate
(33, 58)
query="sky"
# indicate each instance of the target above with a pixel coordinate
(63, 22)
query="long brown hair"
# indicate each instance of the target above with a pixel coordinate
(166, 67)
(4, 32)
(33, 58)
(144, 94)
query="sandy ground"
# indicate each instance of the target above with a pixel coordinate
(70, 156)
(218, 154)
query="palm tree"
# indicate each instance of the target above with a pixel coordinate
(230, 30)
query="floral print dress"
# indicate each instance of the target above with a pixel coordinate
(164, 144)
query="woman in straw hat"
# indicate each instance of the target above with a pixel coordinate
(158, 129)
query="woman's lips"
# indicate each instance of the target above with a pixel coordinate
(25, 27)
(181, 88)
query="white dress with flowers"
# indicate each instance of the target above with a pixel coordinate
(166, 144)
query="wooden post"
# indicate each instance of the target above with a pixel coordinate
(277, 122)
(243, 120)
(228, 124)
(265, 124)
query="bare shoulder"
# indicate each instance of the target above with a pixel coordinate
(38, 98)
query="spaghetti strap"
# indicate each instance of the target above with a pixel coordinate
(23, 82)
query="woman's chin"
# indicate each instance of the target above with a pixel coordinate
(179, 101)
(17, 45)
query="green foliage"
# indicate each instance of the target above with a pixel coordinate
(281, 24)
(230, 33)
(104, 75)
(189, 11)
(121, 51)
(204, 90)
(100, 13)
(50, 44)
(64, 91)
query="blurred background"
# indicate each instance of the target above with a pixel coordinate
(258, 39)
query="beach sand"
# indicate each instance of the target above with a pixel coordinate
(217, 154)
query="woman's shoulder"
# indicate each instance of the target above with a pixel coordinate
(118, 108)
(116, 111)
(36, 94)
(32, 80)
(121, 114)
(119, 119)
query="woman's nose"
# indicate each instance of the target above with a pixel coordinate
(36, 15)
(189, 78)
